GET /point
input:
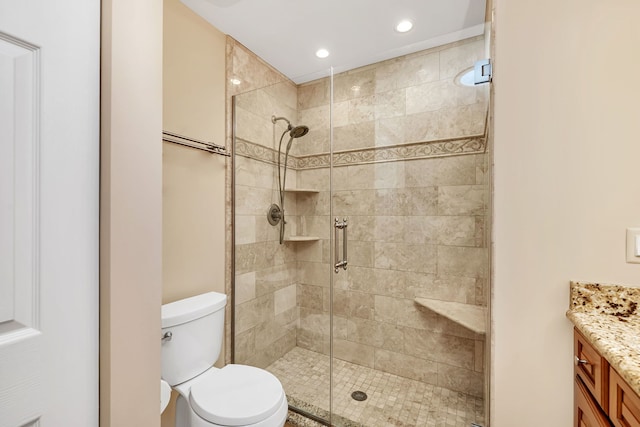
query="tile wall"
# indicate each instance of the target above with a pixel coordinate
(415, 194)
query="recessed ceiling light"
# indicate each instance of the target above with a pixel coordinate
(404, 26)
(322, 53)
(235, 81)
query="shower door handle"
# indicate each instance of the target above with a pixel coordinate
(340, 226)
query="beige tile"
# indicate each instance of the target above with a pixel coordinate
(245, 345)
(310, 296)
(390, 104)
(375, 334)
(245, 287)
(353, 136)
(406, 366)
(479, 356)
(284, 299)
(407, 71)
(446, 288)
(460, 379)
(459, 58)
(390, 131)
(461, 261)
(405, 257)
(313, 273)
(436, 95)
(353, 352)
(362, 109)
(455, 351)
(420, 230)
(455, 170)
(253, 312)
(457, 230)
(354, 84)
(462, 200)
(356, 202)
(313, 94)
(245, 229)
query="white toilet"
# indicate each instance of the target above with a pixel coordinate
(236, 395)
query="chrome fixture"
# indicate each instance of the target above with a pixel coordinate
(340, 263)
(166, 337)
(275, 214)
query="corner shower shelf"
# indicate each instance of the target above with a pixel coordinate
(301, 239)
(301, 190)
(470, 316)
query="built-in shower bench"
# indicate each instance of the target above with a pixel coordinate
(470, 316)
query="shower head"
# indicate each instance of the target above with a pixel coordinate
(299, 131)
(294, 131)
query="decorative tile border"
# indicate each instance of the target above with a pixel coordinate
(392, 153)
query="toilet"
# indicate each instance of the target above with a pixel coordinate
(235, 395)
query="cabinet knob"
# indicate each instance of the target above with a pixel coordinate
(579, 361)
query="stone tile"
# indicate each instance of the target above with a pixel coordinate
(407, 71)
(354, 352)
(455, 170)
(362, 109)
(245, 229)
(313, 273)
(436, 95)
(442, 287)
(245, 286)
(406, 366)
(353, 136)
(460, 379)
(479, 356)
(390, 104)
(354, 84)
(455, 351)
(404, 257)
(375, 334)
(310, 296)
(462, 200)
(460, 261)
(244, 345)
(390, 131)
(457, 230)
(459, 58)
(254, 312)
(313, 94)
(285, 299)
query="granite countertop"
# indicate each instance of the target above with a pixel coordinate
(609, 317)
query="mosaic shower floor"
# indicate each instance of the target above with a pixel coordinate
(392, 400)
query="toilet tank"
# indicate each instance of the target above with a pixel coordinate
(196, 325)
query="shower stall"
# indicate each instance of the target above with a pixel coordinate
(361, 264)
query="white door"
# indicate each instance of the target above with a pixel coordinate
(49, 187)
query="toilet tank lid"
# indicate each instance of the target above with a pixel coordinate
(188, 309)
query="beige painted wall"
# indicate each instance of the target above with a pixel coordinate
(130, 213)
(193, 180)
(566, 187)
(193, 250)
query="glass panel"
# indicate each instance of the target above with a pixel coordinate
(281, 289)
(409, 178)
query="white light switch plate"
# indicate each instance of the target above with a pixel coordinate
(633, 245)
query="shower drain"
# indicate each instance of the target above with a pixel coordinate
(359, 395)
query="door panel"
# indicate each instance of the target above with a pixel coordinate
(49, 164)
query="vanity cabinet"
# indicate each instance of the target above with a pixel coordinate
(601, 397)
(624, 404)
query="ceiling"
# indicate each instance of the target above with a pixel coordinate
(287, 33)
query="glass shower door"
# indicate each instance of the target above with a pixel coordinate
(281, 240)
(410, 197)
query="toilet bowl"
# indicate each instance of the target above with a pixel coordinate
(235, 395)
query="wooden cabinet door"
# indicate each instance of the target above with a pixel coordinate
(593, 369)
(624, 404)
(587, 412)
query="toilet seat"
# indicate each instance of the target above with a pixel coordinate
(236, 395)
